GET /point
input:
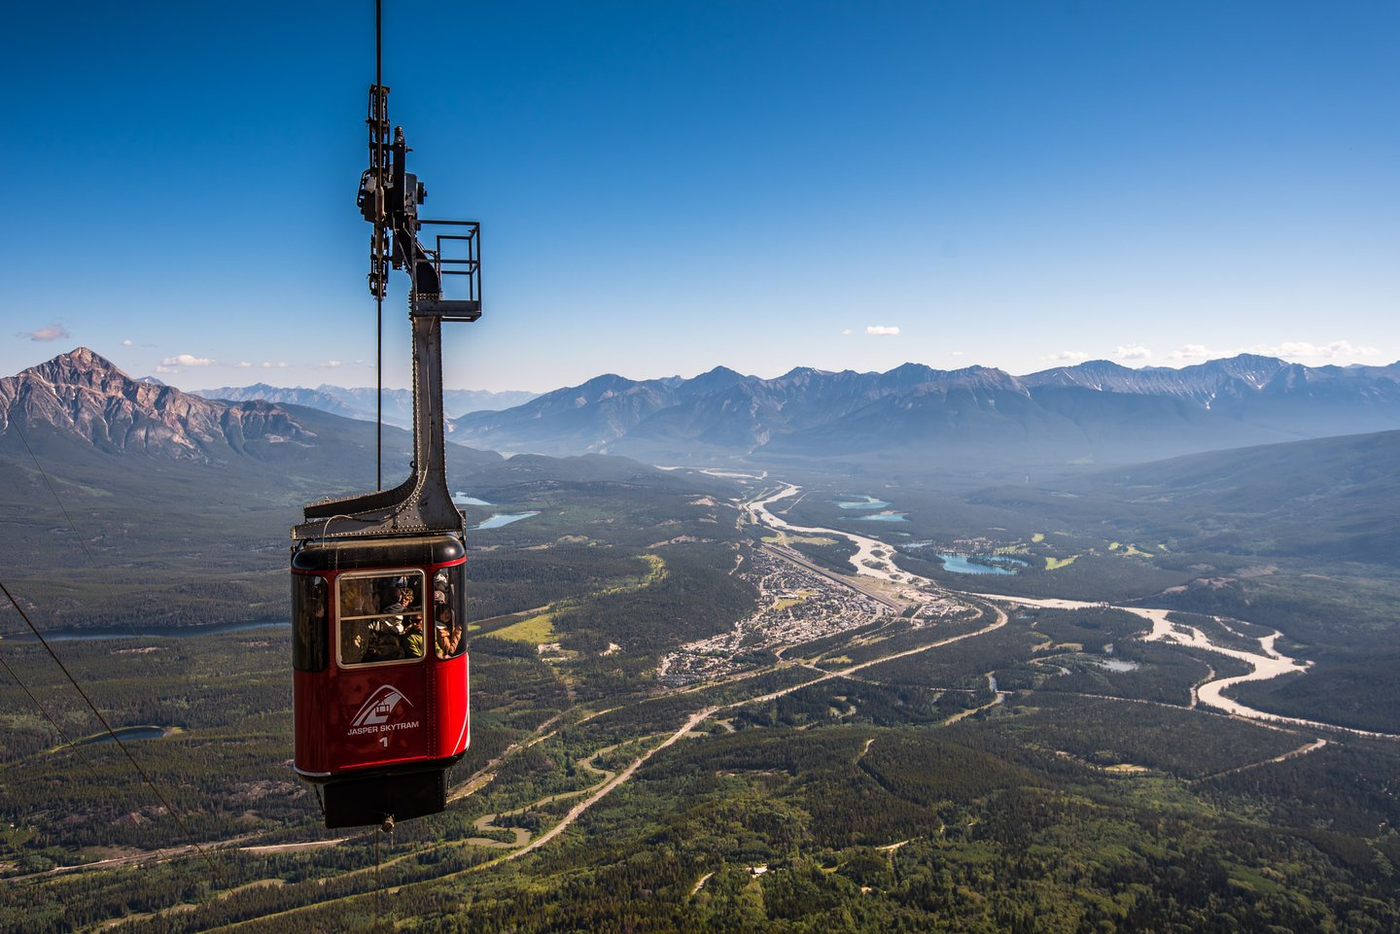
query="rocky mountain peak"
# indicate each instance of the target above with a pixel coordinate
(80, 366)
(83, 396)
(1251, 368)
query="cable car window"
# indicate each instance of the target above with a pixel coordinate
(449, 617)
(310, 629)
(381, 617)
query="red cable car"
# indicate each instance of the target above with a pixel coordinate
(380, 680)
(380, 685)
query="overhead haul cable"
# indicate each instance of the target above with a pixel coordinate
(49, 717)
(170, 809)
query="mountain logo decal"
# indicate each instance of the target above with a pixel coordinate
(378, 708)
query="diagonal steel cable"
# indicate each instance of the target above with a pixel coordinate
(170, 809)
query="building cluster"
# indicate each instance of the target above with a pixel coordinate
(796, 606)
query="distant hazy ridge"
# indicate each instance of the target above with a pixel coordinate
(360, 403)
(1096, 411)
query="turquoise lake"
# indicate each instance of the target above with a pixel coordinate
(865, 502)
(973, 564)
(500, 519)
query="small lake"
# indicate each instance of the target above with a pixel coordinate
(1116, 664)
(462, 499)
(879, 517)
(125, 733)
(981, 564)
(865, 502)
(146, 632)
(500, 519)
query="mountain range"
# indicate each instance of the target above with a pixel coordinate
(1093, 412)
(204, 490)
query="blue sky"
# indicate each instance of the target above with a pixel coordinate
(669, 186)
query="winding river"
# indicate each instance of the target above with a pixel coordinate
(875, 559)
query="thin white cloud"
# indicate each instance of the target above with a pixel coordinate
(269, 365)
(882, 330)
(126, 343)
(1193, 352)
(49, 332)
(185, 359)
(180, 361)
(1287, 350)
(957, 353)
(1067, 356)
(1337, 350)
(328, 365)
(1134, 352)
(848, 331)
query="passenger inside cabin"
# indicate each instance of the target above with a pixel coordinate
(448, 633)
(402, 597)
(383, 642)
(357, 603)
(413, 636)
(381, 618)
